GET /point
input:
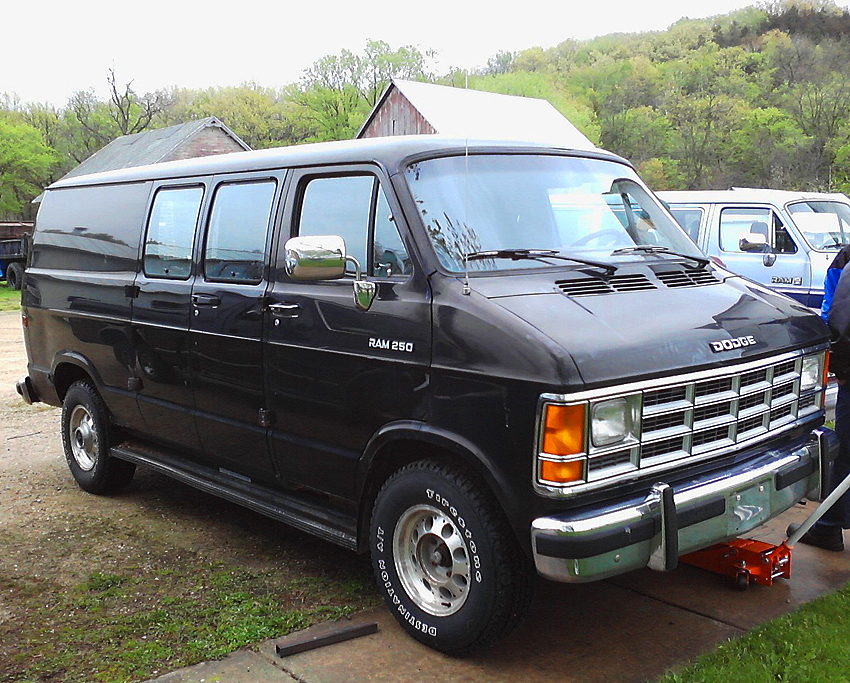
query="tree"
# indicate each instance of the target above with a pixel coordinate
(125, 113)
(131, 112)
(500, 63)
(379, 63)
(25, 165)
(261, 116)
(336, 93)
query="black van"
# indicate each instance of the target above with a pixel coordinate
(473, 360)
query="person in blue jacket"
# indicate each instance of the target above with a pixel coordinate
(828, 532)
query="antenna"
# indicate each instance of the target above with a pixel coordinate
(466, 288)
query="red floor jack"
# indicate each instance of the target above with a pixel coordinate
(746, 560)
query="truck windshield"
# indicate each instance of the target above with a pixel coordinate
(824, 224)
(572, 206)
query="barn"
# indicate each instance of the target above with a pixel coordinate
(413, 108)
(200, 138)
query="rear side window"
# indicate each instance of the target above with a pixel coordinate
(236, 238)
(171, 232)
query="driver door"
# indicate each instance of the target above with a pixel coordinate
(336, 374)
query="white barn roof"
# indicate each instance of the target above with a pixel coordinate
(461, 113)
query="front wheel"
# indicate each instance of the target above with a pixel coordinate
(445, 559)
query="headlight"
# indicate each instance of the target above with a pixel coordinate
(812, 375)
(614, 421)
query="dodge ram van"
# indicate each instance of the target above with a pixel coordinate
(472, 360)
(784, 240)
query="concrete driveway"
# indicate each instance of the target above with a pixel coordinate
(631, 628)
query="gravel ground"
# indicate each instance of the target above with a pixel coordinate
(55, 537)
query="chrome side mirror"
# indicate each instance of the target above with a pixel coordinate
(324, 258)
(753, 241)
(315, 258)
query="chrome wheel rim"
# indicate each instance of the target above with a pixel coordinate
(83, 437)
(432, 560)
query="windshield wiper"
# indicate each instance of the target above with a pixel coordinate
(701, 261)
(536, 254)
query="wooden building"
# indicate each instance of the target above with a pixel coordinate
(412, 108)
(200, 138)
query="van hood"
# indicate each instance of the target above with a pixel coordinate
(652, 321)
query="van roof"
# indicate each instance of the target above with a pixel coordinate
(389, 152)
(750, 195)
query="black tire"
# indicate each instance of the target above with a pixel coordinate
(446, 562)
(15, 275)
(86, 437)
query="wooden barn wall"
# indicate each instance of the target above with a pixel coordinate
(397, 116)
(209, 141)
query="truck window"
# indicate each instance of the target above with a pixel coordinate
(824, 224)
(236, 237)
(741, 225)
(389, 256)
(355, 207)
(171, 232)
(690, 220)
(584, 207)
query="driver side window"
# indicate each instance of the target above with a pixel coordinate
(356, 208)
(752, 230)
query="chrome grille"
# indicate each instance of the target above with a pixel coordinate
(707, 415)
(615, 459)
(715, 386)
(712, 411)
(662, 396)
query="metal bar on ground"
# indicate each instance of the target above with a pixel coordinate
(301, 642)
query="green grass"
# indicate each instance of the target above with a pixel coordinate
(806, 646)
(152, 608)
(10, 300)
(134, 626)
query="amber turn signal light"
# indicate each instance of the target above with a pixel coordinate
(561, 472)
(564, 430)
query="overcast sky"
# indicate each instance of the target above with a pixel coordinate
(51, 49)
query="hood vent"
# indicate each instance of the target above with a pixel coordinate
(592, 285)
(587, 286)
(687, 278)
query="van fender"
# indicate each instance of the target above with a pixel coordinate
(466, 451)
(68, 357)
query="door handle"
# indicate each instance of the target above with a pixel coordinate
(210, 300)
(285, 309)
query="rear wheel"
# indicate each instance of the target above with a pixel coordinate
(445, 559)
(15, 275)
(86, 437)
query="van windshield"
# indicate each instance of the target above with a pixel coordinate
(824, 224)
(573, 206)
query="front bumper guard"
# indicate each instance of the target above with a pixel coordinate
(672, 521)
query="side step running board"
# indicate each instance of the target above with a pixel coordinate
(315, 520)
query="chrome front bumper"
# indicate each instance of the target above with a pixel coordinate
(672, 521)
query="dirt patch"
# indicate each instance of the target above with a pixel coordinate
(125, 587)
